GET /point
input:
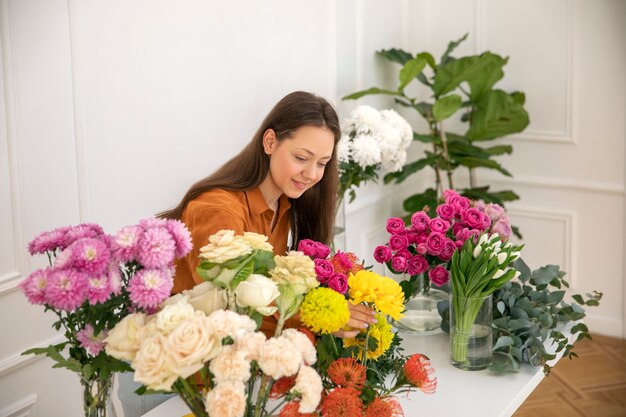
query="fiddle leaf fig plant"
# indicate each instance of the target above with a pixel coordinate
(464, 88)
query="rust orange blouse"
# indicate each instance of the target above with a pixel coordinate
(241, 211)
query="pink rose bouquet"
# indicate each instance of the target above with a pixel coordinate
(95, 280)
(426, 246)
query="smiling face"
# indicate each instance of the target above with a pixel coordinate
(297, 163)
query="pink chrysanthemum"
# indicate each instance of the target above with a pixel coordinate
(149, 287)
(90, 256)
(34, 286)
(90, 230)
(93, 344)
(115, 279)
(48, 241)
(124, 244)
(99, 290)
(151, 222)
(156, 248)
(181, 236)
(66, 289)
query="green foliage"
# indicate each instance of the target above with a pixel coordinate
(530, 311)
(463, 86)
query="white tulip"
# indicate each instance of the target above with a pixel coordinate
(498, 274)
(502, 257)
(477, 250)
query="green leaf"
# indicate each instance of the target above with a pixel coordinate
(426, 138)
(490, 74)
(373, 90)
(243, 274)
(499, 150)
(502, 342)
(497, 114)
(501, 307)
(395, 55)
(578, 298)
(263, 262)
(417, 202)
(450, 75)
(452, 45)
(545, 274)
(555, 297)
(410, 71)
(409, 169)
(473, 162)
(446, 106)
(459, 149)
(523, 269)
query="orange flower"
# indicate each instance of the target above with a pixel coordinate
(346, 262)
(342, 402)
(291, 409)
(347, 373)
(420, 373)
(384, 407)
(282, 386)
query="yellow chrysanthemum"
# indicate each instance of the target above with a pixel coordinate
(324, 310)
(385, 293)
(380, 331)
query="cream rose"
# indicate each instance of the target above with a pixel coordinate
(258, 292)
(224, 246)
(295, 270)
(207, 298)
(152, 365)
(171, 315)
(125, 338)
(257, 241)
(191, 344)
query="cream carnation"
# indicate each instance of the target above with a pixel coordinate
(279, 357)
(304, 345)
(230, 365)
(295, 270)
(125, 338)
(191, 344)
(152, 365)
(251, 345)
(227, 399)
(169, 317)
(228, 323)
(257, 241)
(224, 246)
(309, 386)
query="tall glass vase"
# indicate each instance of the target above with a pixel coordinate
(421, 315)
(471, 339)
(96, 392)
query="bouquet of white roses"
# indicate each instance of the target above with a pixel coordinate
(371, 139)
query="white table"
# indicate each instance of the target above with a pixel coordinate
(459, 393)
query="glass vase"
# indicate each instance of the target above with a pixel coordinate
(96, 392)
(471, 338)
(421, 315)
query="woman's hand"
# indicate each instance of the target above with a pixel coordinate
(361, 317)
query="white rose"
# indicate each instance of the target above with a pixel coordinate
(152, 365)
(172, 300)
(258, 292)
(207, 298)
(125, 338)
(191, 344)
(257, 241)
(168, 318)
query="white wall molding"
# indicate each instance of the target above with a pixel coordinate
(563, 184)
(12, 136)
(21, 408)
(8, 282)
(81, 163)
(16, 361)
(567, 134)
(569, 238)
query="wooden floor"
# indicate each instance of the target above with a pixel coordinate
(593, 385)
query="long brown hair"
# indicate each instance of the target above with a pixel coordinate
(313, 214)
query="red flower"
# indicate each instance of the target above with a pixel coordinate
(347, 373)
(346, 262)
(420, 373)
(384, 407)
(342, 402)
(282, 386)
(292, 409)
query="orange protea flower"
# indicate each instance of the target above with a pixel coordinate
(420, 373)
(346, 262)
(292, 409)
(282, 386)
(384, 407)
(347, 373)
(342, 402)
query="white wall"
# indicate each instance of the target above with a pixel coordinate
(113, 108)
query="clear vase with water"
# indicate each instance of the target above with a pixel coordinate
(421, 315)
(471, 337)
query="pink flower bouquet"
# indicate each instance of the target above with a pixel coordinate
(94, 280)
